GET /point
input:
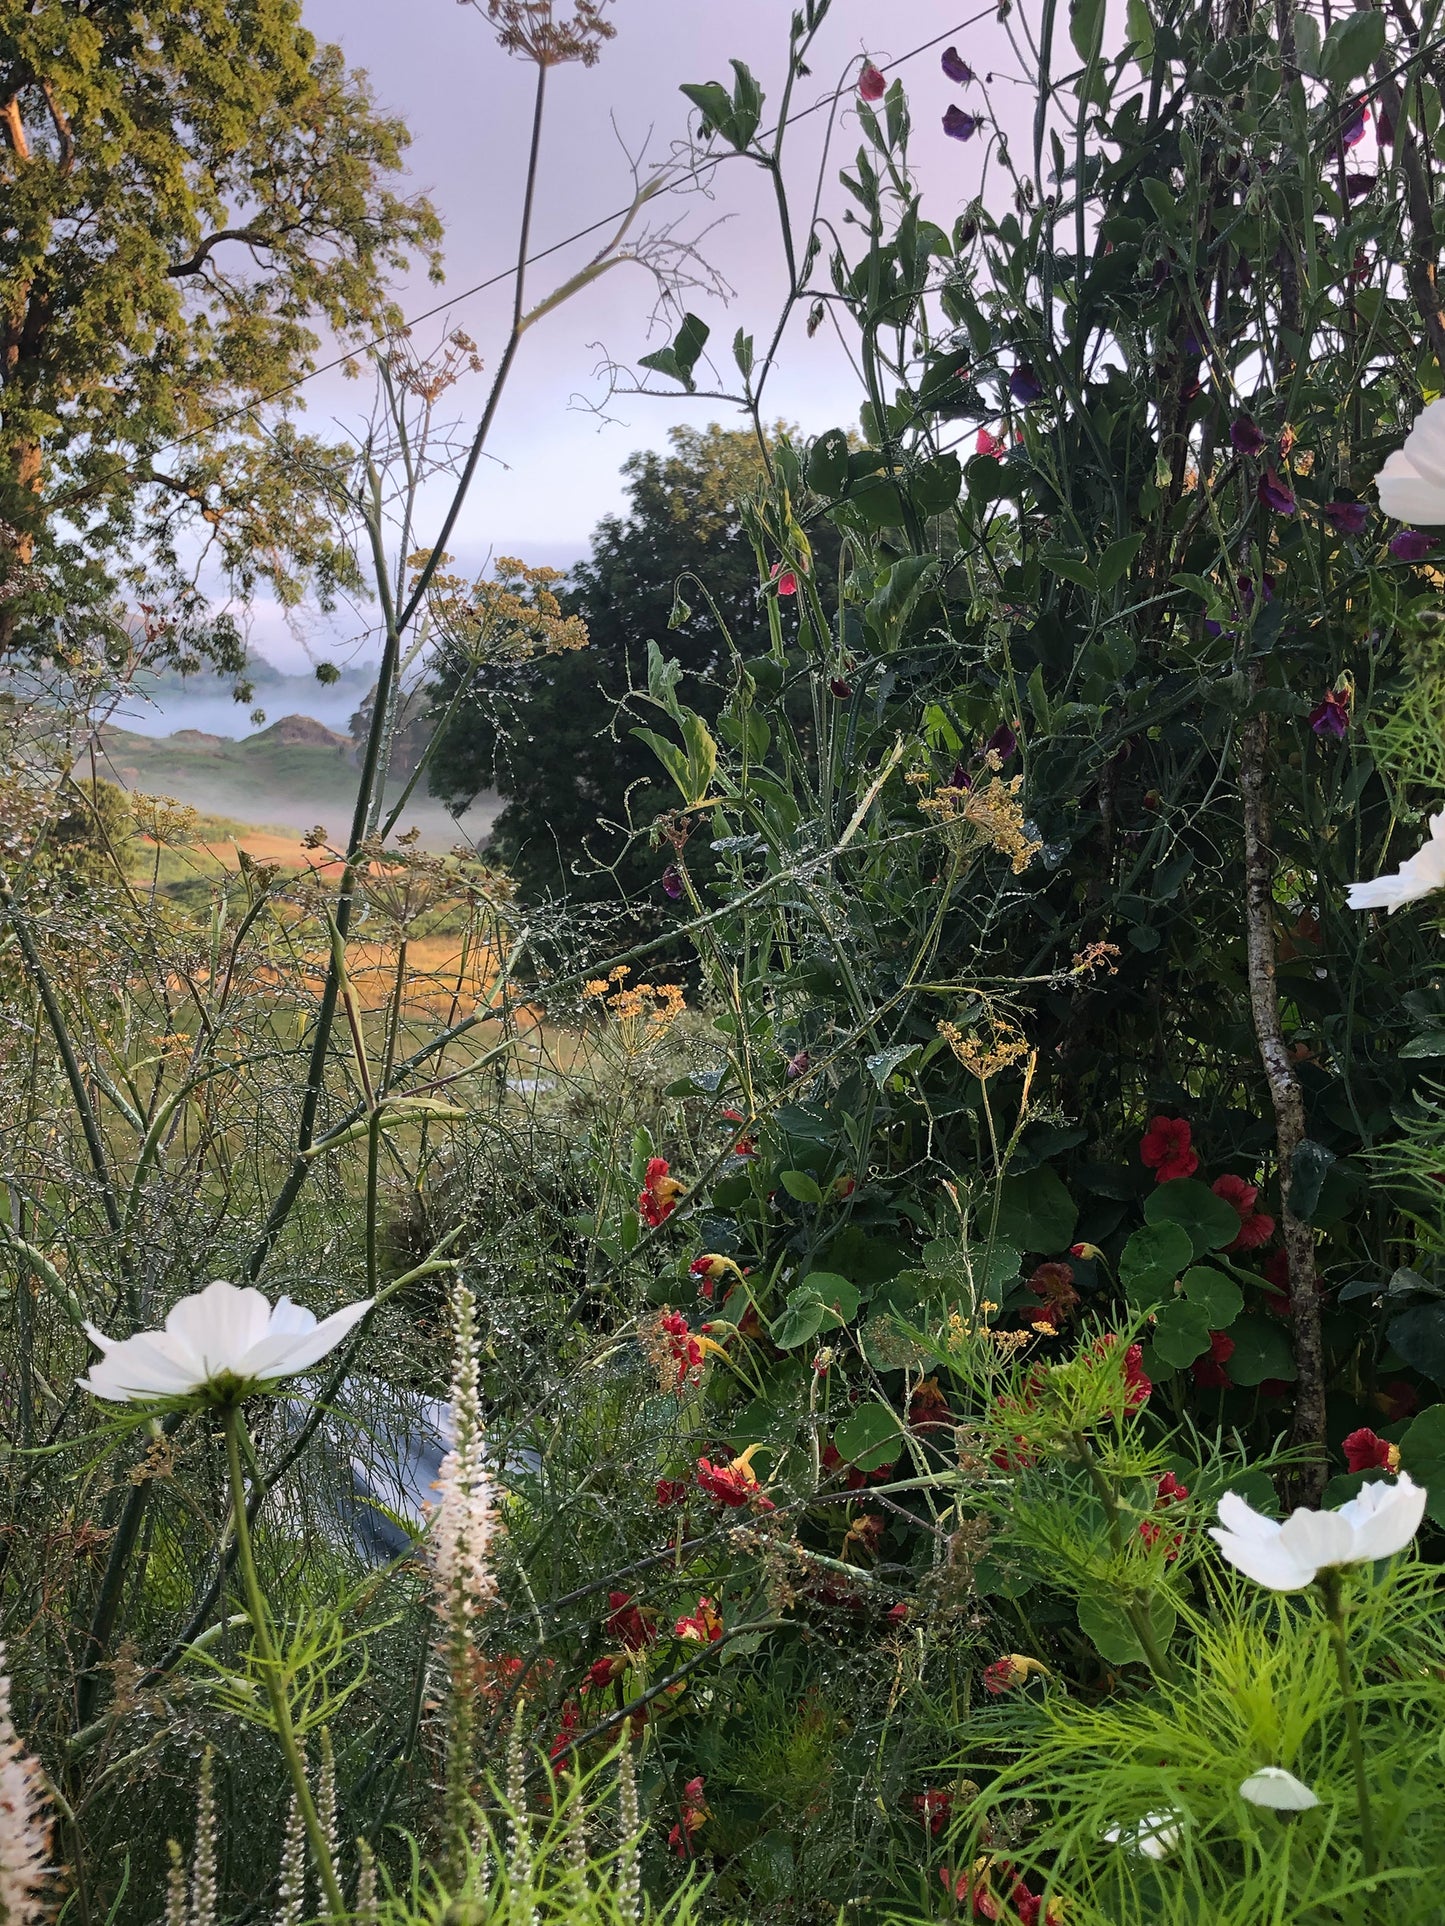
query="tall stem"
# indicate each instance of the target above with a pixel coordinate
(271, 1666)
(1330, 1589)
(1135, 1610)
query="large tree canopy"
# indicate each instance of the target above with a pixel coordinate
(547, 737)
(191, 189)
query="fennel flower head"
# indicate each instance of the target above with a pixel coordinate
(24, 1822)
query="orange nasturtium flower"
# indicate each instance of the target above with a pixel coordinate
(1005, 1673)
(658, 1198)
(734, 1484)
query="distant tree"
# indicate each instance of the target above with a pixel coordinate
(191, 188)
(546, 736)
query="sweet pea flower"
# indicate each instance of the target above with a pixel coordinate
(1352, 129)
(1347, 518)
(988, 444)
(1024, 385)
(958, 125)
(871, 84)
(1411, 484)
(1417, 876)
(1245, 436)
(954, 68)
(1287, 1557)
(1272, 1786)
(1411, 545)
(1275, 494)
(220, 1344)
(1330, 718)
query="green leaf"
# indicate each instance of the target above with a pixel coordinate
(882, 1066)
(827, 1288)
(1140, 29)
(870, 1436)
(712, 102)
(1216, 1296)
(1036, 1213)
(797, 1324)
(797, 1183)
(1351, 47)
(1210, 1221)
(889, 609)
(1261, 1350)
(1115, 559)
(678, 359)
(1072, 567)
(1308, 1168)
(1109, 1632)
(1307, 42)
(889, 1346)
(1422, 1454)
(1086, 28)
(1181, 1333)
(828, 463)
(1419, 1336)
(743, 353)
(1151, 1261)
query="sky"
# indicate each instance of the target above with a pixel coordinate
(558, 443)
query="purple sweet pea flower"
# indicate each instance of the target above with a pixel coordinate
(956, 70)
(958, 125)
(1410, 545)
(1331, 717)
(1352, 129)
(1246, 437)
(1246, 589)
(671, 883)
(1003, 743)
(1213, 629)
(1274, 494)
(1347, 518)
(1024, 385)
(798, 1066)
(960, 779)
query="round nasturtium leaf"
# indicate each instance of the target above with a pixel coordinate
(869, 1436)
(1181, 1333)
(1211, 1221)
(1218, 1297)
(1151, 1261)
(1261, 1350)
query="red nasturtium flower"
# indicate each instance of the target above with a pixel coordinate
(694, 1812)
(657, 1199)
(928, 1407)
(1256, 1227)
(1397, 1399)
(1171, 1492)
(734, 1484)
(1137, 1384)
(1165, 1149)
(605, 1671)
(1014, 1669)
(933, 1808)
(702, 1627)
(629, 1621)
(1365, 1450)
(1210, 1372)
(566, 1731)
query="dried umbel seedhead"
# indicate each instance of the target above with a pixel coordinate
(513, 615)
(531, 27)
(643, 1013)
(985, 1051)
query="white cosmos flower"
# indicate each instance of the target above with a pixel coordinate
(1379, 1521)
(1272, 1786)
(1156, 1835)
(222, 1339)
(1416, 877)
(1412, 482)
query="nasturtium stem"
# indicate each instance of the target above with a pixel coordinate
(1331, 1591)
(271, 1665)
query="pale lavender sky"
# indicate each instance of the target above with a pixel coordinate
(437, 64)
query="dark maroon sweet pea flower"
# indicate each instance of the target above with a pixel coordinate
(798, 1066)
(1213, 629)
(1024, 385)
(1275, 494)
(1347, 518)
(871, 84)
(1003, 743)
(1410, 545)
(1245, 436)
(956, 70)
(958, 125)
(841, 689)
(1358, 185)
(1384, 128)
(1352, 128)
(671, 883)
(960, 779)
(1246, 589)
(1331, 717)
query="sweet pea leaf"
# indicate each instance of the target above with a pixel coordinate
(869, 1436)
(1152, 1259)
(1217, 1297)
(1351, 47)
(1210, 1222)
(1036, 1213)
(1261, 1350)
(797, 1183)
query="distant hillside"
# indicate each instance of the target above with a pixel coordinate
(290, 775)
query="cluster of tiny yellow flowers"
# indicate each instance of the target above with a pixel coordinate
(991, 809)
(642, 1013)
(512, 615)
(984, 1056)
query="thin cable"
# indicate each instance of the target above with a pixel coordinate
(508, 273)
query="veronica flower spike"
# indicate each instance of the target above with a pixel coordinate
(1378, 1522)
(219, 1345)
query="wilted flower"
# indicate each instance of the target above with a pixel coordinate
(1411, 545)
(958, 125)
(671, 883)
(1245, 436)
(798, 1066)
(1256, 1227)
(1272, 1786)
(840, 687)
(1347, 518)
(1365, 1450)
(1411, 484)
(1165, 1148)
(1330, 717)
(1024, 385)
(1275, 494)
(221, 1344)
(1286, 1557)
(1416, 877)
(956, 70)
(871, 84)
(1156, 1835)
(658, 1198)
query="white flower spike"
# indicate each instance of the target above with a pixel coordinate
(1272, 1786)
(1412, 482)
(1416, 877)
(1156, 1835)
(1380, 1521)
(223, 1342)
